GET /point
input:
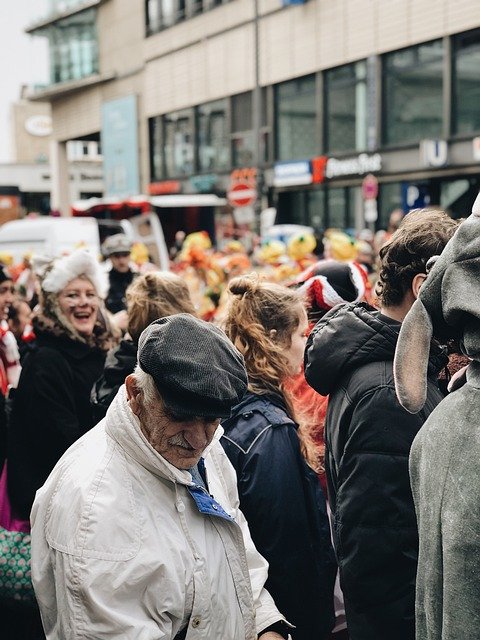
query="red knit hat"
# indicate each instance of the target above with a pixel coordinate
(331, 282)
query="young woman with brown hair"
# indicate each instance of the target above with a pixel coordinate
(279, 492)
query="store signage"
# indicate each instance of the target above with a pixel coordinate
(243, 187)
(165, 187)
(203, 183)
(119, 135)
(318, 165)
(289, 174)
(433, 153)
(364, 163)
(39, 126)
(286, 3)
(476, 148)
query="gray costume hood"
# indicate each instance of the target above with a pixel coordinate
(448, 306)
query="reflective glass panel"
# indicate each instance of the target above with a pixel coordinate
(213, 151)
(346, 108)
(295, 116)
(178, 143)
(413, 93)
(466, 85)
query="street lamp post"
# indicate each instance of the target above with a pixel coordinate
(257, 118)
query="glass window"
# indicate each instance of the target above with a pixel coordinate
(389, 200)
(316, 209)
(355, 209)
(156, 156)
(73, 47)
(292, 207)
(213, 151)
(243, 138)
(161, 14)
(295, 117)
(178, 143)
(413, 93)
(337, 207)
(346, 107)
(466, 83)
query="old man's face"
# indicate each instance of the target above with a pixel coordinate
(179, 439)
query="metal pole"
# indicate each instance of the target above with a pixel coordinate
(257, 118)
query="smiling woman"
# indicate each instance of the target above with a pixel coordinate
(51, 408)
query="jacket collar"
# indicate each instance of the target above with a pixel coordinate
(70, 347)
(123, 426)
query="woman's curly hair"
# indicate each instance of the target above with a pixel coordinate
(256, 309)
(260, 320)
(154, 295)
(422, 234)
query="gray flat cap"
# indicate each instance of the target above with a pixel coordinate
(119, 243)
(196, 369)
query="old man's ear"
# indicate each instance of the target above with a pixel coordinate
(133, 394)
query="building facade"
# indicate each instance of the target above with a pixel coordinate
(358, 106)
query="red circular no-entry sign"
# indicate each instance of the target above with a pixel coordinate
(241, 194)
(370, 187)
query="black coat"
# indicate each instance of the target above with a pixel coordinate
(119, 364)
(368, 435)
(51, 410)
(119, 282)
(286, 511)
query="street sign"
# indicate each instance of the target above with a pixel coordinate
(242, 194)
(370, 187)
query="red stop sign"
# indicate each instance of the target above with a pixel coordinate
(241, 194)
(370, 187)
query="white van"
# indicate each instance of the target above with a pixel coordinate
(52, 237)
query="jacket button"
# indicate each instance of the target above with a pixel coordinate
(195, 622)
(180, 506)
(247, 415)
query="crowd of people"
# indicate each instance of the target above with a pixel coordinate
(221, 451)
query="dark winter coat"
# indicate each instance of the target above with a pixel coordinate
(51, 410)
(349, 356)
(283, 502)
(119, 364)
(119, 282)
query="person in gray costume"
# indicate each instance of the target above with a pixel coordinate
(445, 454)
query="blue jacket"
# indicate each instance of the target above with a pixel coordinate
(283, 502)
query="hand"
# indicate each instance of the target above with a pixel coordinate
(121, 319)
(270, 635)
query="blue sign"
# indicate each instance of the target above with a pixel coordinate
(120, 147)
(415, 195)
(287, 174)
(286, 3)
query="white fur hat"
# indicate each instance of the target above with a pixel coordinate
(59, 272)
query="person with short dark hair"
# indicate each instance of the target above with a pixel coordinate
(117, 249)
(349, 357)
(137, 532)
